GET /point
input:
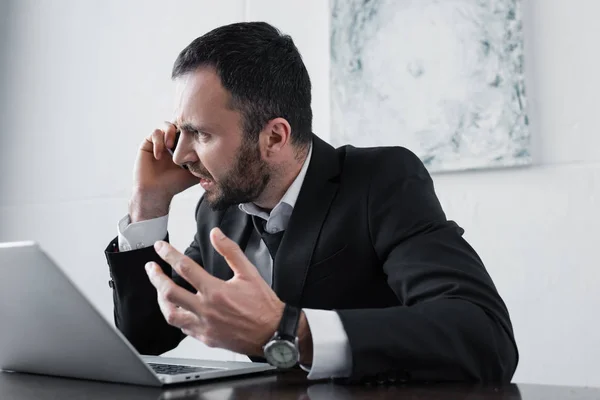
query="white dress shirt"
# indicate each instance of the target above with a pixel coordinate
(332, 357)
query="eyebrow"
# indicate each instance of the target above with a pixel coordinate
(190, 127)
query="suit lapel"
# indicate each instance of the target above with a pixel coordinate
(299, 241)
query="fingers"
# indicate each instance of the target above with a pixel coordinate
(162, 140)
(158, 143)
(170, 291)
(170, 131)
(177, 316)
(232, 253)
(201, 280)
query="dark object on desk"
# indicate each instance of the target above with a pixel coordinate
(369, 239)
(288, 385)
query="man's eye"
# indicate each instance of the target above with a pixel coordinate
(201, 135)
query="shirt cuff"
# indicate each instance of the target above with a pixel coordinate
(141, 234)
(332, 356)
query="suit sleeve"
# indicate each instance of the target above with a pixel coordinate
(452, 323)
(136, 311)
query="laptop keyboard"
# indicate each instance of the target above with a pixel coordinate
(172, 369)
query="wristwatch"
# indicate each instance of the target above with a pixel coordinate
(282, 350)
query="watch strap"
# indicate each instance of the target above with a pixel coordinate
(288, 326)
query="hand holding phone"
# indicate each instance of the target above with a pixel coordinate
(156, 178)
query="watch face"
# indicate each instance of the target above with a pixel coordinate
(281, 353)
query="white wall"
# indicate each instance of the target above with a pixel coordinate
(4, 17)
(87, 80)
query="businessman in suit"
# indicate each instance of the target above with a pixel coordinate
(340, 260)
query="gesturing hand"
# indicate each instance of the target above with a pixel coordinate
(240, 314)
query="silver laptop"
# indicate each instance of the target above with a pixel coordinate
(47, 326)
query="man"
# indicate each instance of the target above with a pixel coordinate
(346, 249)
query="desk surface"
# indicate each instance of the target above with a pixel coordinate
(289, 385)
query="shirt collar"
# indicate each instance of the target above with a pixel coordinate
(289, 198)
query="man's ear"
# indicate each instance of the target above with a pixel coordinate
(275, 136)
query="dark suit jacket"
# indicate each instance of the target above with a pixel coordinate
(367, 238)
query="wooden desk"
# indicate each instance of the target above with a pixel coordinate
(289, 385)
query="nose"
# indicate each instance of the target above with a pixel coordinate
(184, 151)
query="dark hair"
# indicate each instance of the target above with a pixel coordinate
(263, 71)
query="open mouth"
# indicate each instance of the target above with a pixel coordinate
(206, 183)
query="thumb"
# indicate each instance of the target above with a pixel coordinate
(232, 253)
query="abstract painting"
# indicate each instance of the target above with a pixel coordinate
(443, 78)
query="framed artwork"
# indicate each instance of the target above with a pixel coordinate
(443, 78)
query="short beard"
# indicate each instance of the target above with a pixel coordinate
(245, 182)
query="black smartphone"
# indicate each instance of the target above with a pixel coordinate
(172, 150)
